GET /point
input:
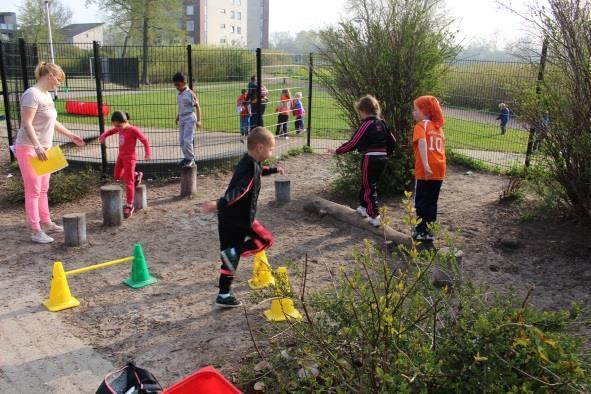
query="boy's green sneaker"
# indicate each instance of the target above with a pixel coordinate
(230, 259)
(227, 302)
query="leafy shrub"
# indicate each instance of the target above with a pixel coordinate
(63, 187)
(375, 51)
(384, 327)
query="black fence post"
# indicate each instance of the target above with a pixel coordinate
(190, 65)
(258, 106)
(6, 97)
(532, 130)
(23, 55)
(310, 87)
(99, 101)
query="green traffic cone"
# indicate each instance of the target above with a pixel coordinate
(140, 276)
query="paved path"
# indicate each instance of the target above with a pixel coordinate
(37, 352)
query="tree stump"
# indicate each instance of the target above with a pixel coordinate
(141, 197)
(282, 190)
(188, 181)
(74, 229)
(111, 197)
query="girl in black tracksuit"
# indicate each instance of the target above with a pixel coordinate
(374, 140)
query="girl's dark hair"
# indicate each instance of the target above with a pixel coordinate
(368, 104)
(179, 77)
(120, 116)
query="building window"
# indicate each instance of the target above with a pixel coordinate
(190, 26)
(222, 10)
(238, 30)
(232, 15)
(190, 10)
(222, 40)
(191, 40)
(231, 29)
(239, 15)
(223, 26)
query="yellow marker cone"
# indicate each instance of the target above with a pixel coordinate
(282, 308)
(261, 273)
(60, 297)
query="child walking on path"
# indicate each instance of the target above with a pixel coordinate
(375, 142)
(240, 234)
(430, 163)
(283, 114)
(243, 108)
(125, 165)
(188, 117)
(504, 117)
(298, 111)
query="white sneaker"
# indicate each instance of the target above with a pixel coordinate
(362, 211)
(40, 237)
(53, 228)
(375, 221)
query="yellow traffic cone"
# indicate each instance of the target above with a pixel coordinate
(60, 297)
(282, 308)
(261, 273)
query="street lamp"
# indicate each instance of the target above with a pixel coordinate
(50, 40)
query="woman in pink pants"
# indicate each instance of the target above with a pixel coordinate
(34, 138)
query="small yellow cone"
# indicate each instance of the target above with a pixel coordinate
(282, 308)
(60, 297)
(262, 276)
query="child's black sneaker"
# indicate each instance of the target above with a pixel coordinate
(230, 258)
(227, 302)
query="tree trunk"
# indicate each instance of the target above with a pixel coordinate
(126, 40)
(145, 37)
(323, 207)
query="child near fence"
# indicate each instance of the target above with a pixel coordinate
(430, 163)
(240, 234)
(297, 109)
(504, 116)
(243, 109)
(283, 114)
(188, 117)
(125, 165)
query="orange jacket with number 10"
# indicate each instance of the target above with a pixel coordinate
(435, 150)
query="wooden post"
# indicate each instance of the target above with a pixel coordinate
(111, 196)
(74, 229)
(141, 197)
(188, 181)
(282, 190)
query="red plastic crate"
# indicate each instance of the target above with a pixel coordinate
(205, 381)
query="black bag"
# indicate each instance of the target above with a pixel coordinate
(129, 380)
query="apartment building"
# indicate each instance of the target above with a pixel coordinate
(243, 23)
(7, 25)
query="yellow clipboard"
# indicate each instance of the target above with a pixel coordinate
(55, 162)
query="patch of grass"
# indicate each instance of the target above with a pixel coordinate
(63, 187)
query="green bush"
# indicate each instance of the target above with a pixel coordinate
(63, 187)
(375, 52)
(385, 326)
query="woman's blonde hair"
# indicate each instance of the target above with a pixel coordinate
(44, 69)
(368, 104)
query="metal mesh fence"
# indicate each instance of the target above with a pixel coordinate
(120, 78)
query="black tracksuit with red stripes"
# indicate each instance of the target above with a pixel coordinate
(237, 210)
(375, 142)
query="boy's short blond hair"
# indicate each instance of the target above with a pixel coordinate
(259, 135)
(298, 95)
(502, 105)
(44, 69)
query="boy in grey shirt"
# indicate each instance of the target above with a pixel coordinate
(188, 117)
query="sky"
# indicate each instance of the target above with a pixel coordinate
(476, 19)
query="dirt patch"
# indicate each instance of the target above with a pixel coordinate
(172, 327)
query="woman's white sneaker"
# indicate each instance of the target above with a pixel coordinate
(362, 211)
(40, 237)
(52, 228)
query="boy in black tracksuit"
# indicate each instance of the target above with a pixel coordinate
(240, 234)
(374, 140)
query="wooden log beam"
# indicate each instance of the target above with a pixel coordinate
(322, 207)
